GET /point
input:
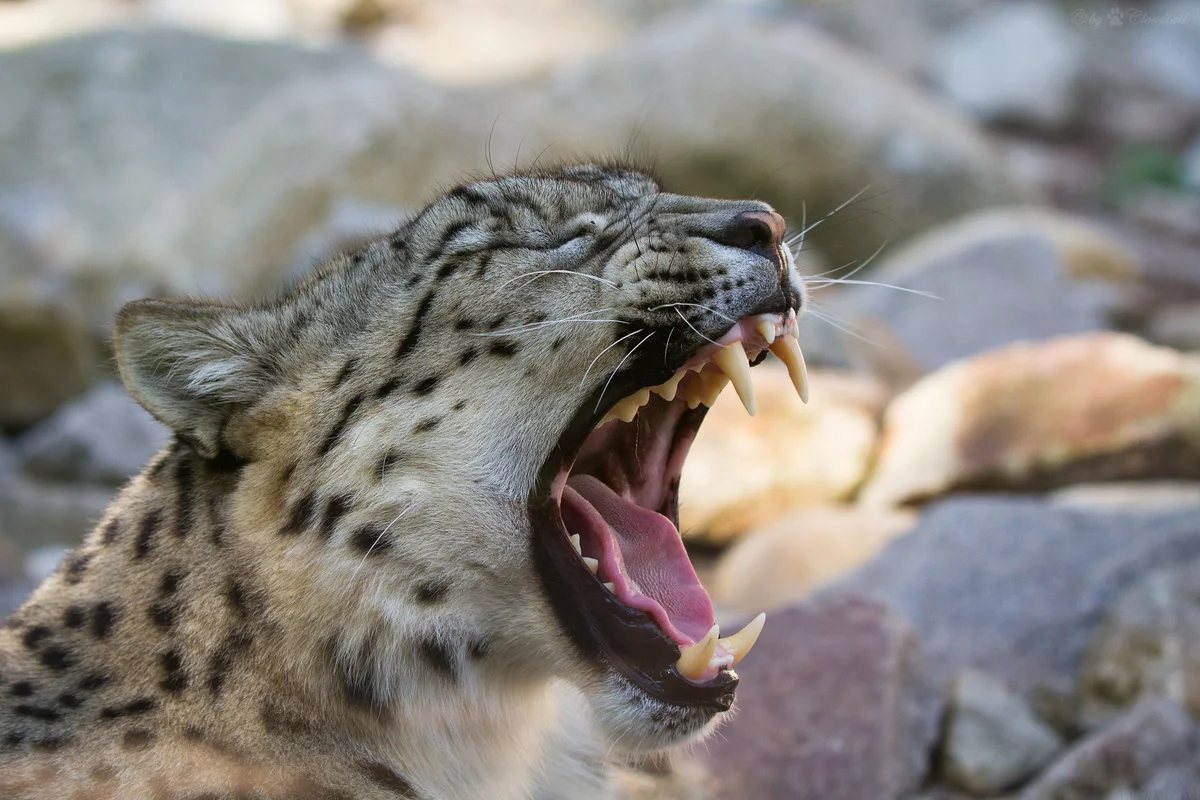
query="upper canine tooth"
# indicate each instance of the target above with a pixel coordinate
(733, 362)
(739, 644)
(592, 564)
(787, 350)
(766, 329)
(693, 659)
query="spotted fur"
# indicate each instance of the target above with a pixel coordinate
(323, 587)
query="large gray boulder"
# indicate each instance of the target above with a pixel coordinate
(1016, 587)
(102, 437)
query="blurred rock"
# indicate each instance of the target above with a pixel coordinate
(1154, 737)
(1168, 46)
(1191, 165)
(1176, 326)
(1016, 587)
(15, 585)
(1167, 210)
(166, 162)
(1148, 644)
(43, 561)
(1014, 63)
(1128, 496)
(997, 277)
(45, 359)
(102, 437)
(785, 560)
(789, 455)
(1040, 416)
(815, 143)
(993, 740)
(834, 705)
(34, 512)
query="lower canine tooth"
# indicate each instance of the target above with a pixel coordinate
(592, 564)
(612, 587)
(733, 362)
(787, 350)
(739, 644)
(693, 659)
(575, 543)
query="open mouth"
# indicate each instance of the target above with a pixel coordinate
(607, 539)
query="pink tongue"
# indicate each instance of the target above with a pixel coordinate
(651, 557)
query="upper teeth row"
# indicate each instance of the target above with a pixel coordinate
(733, 366)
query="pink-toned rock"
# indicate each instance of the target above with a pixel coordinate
(788, 456)
(1095, 407)
(787, 559)
(833, 705)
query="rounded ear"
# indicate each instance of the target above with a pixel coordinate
(191, 364)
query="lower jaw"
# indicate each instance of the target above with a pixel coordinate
(606, 632)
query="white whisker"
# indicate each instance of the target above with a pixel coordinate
(693, 327)
(605, 350)
(533, 276)
(633, 349)
(693, 305)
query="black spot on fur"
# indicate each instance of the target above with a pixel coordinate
(439, 656)
(68, 700)
(503, 349)
(335, 509)
(142, 705)
(137, 739)
(345, 372)
(50, 744)
(447, 235)
(460, 405)
(185, 485)
(431, 591)
(427, 424)
(170, 582)
(467, 356)
(340, 428)
(387, 778)
(357, 673)
(104, 616)
(12, 740)
(146, 533)
(93, 681)
(370, 540)
(236, 595)
(301, 515)
(162, 614)
(478, 649)
(497, 322)
(426, 385)
(464, 324)
(174, 677)
(36, 635)
(414, 333)
(74, 617)
(482, 267)
(22, 689)
(280, 721)
(383, 391)
(388, 460)
(57, 658)
(216, 521)
(110, 531)
(37, 712)
(238, 641)
(74, 566)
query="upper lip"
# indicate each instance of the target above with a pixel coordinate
(644, 646)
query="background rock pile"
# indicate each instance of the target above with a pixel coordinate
(979, 544)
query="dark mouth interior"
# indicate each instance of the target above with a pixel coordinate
(625, 590)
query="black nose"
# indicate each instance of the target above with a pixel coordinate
(758, 231)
